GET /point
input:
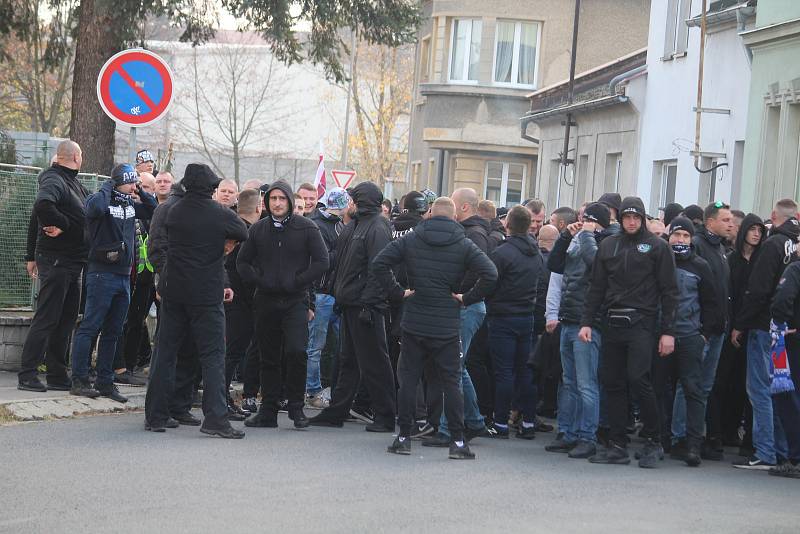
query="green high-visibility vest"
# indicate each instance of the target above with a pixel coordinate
(143, 262)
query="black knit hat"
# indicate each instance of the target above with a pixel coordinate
(611, 200)
(671, 210)
(599, 213)
(415, 202)
(693, 212)
(681, 223)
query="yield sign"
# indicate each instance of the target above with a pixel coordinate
(343, 178)
(134, 87)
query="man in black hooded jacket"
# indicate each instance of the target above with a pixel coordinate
(633, 276)
(363, 352)
(192, 292)
(282, 257)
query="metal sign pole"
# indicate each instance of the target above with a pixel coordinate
(132, 146)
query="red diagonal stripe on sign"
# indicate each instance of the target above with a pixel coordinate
(138, 90)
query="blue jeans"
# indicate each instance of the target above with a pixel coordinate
(107, 299)
(471, 320)
(708, 372)
(317, 335)
(510, 338)
(768, 437)
(579, 397)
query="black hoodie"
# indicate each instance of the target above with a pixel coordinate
(633, 271)
(60, 202)
(436, 256)
(778, 251)
(740, 267)
(197, 228)
(358, 244)
(283, 258)
(519, 266)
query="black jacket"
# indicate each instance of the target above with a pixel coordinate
(402, 225)
(786, 304)
(436, 255)
(358, 244)
(284, 260)
(241, 290)
(330, 226)
(477, 230)
(519, 267)
(157, 247)
(778, 251)
(741, 267)
(633, 271)
(698, 309)
(498, 232)
(711, 248)
(61, 202)
(197, 228)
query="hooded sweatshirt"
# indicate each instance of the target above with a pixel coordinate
(60, 202)
(778, 251)
(633, 271)
(519, 267)
(741, 267)
(436, 256)
(196, 229)
(283, 257)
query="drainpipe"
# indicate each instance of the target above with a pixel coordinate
(565, 161)
(612, 85)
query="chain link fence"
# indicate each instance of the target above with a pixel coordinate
(18, 188)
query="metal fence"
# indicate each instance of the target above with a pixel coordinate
(18, 188)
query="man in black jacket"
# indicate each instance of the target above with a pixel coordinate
(363, 352)
(192, 290)
(437, 256)
(111, 215)
(633, 277)
(778, 251)
(60, 256)
(709, 244)
(282, 257)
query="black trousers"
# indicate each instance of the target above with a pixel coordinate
(442, 358)
(282, 330)
(239, 328)
(627, 355)
(252, 370)
(728, 402)
(479, 366)
(685, 364)
(54, 320)
(205, 325)
(142, 295)
(363, 358)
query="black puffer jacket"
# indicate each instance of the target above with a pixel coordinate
(330, 226)
(436, 256)
(741, 267)
(711, 248)
(777, 252)
(477, 230)
(60, 202)
(197, 228)
(358, 244)
(283, 259)
(519, 267)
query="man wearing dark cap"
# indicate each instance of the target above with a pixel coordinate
(282, 257)
(111, 214)
(633, 286)
(694, 213)
(612, 202)
(363, 354)
(671, 211)
(198, 231)
(579, 400)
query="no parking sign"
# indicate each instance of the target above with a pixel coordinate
(134, 87)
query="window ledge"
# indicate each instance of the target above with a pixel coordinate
(473, 90)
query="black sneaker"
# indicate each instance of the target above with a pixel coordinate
(129, 379)
(614, 455)
(249, 404)
(364, 415)
(583, 450)
(264, 418)
(472, 433)
(324, 420)
(401, 445)
(110, 391)
(460, 452)
(33, 384)
(82, 388)
(650, 454)
(172, 423)
(753, 462)
(155, 427)
(560, 444)
(437, 440)
(786, 469)
(422, 429)
(524, 432)
(187, 419)
(297, 415)
(498, 432)
(228, 432)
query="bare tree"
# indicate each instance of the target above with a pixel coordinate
(233, 104)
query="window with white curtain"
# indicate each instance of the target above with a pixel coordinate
(504, 183)
(516, 48)
(465, 50)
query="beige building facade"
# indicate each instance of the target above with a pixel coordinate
(477, 63)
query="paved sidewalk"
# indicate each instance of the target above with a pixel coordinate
(16, 405)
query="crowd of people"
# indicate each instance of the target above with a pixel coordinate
(446, 319)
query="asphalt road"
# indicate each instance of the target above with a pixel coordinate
(105, 474)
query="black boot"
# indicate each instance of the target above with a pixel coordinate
(81, 388)
(296, 414)
(265, 418)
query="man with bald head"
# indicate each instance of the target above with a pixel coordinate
(547, 237)
(60, 256)
(227, 193)
(437, 256)
(148, 182)
(163, 185)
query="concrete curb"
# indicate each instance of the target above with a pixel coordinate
(67, 407)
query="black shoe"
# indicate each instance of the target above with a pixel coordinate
(401, 445)
(560, 444)
(249, 404)
(650, 454)
(461, 452)
(364, 415)
(81, 388)
(110, 391)
(753, 462)
(379, 427)
(155, 427)
(58, 386)
(437, 440)
(679, 450)
(526, 432)
(34, 384)
(498, 432)
(324, 420)
(186, 419)
(472, 433)
(583, 450)
(129, 379)
(541, 426)
(228, 433)
(786, 470)
(296, 414)
(235, 414)
(614, 455)
(172, 423)
(263, 418)
(693, 456)
(422, 429)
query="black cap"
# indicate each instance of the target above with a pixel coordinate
(611, 200)
(671, 210)
(415, 202)
(599, 213)
(682, 223)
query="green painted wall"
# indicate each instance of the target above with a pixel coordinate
(774, 11)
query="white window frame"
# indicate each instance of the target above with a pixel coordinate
(504, 180)
(663, 201)
(515, 57)
(465, 66)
